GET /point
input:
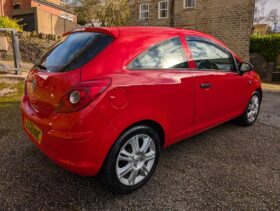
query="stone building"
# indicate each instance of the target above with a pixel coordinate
(228, 20)
(42, 16)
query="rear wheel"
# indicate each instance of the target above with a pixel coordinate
(132, 160)
(251, 113)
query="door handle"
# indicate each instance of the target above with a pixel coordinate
(205, 86)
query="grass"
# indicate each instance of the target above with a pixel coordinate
(14, 98)
(271, 86)
(10, 118)
(3, 86)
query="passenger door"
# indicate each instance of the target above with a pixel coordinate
(164, 68)
(219, 89)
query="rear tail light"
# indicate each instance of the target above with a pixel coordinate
(82, 95)
(75, 97)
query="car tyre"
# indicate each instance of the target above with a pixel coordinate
(250, 115)
(132, 160)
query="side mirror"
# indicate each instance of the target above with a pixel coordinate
(245, 67)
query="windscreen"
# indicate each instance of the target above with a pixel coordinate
(74, 51)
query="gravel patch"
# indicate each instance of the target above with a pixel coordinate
(226, 168)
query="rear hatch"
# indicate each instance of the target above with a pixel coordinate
(59, 70)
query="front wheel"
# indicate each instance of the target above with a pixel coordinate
(251, 113)
(132, 160)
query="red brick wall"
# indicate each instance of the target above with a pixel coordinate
(49, 23)
(25, 4)
(7, 6)
(51, 10)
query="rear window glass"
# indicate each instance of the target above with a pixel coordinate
(74, 51)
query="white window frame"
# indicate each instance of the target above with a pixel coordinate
(143, 12)
(160, 9)
(186, 6)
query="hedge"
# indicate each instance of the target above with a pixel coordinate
(267, 45)
(6, 22)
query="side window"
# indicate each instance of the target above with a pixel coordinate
(165, 55)
(207, 55)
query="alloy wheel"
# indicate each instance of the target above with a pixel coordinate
(136, 159)
(253, 108)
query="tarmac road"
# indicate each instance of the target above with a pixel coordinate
(228, 167)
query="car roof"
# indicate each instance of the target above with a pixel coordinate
(137, 30)
(148, 31)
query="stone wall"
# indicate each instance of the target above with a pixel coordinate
(32, 46)
(269, 71)
(229, 21)
(260, 65)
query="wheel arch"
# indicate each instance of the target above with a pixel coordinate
(150, 123)
(147, 122)
(153, 124)
(259, 90)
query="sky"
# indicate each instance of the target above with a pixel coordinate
(272, 4)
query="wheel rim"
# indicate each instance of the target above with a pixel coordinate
(135, 159)
(253, 109)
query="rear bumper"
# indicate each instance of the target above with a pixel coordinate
(70, 140)
(67, 155)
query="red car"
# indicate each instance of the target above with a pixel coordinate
(107, 100)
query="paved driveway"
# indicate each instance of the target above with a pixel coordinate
(226, 167)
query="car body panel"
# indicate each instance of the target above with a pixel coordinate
(158, 104)
(172, 98)
(226, 99)
(46, 89)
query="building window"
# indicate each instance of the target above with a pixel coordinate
(189, 3)
(163, 7)
(144, 11)
(16, 4)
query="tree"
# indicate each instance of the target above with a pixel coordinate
(6, 22)
(259, 16)
(274, 18)
(107, 12)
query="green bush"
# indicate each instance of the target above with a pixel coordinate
(6, 22)
(268, 46)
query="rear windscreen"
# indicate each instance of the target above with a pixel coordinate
(74, 51)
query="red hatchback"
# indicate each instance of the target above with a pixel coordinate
(107, 100)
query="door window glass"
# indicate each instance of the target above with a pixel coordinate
(165, 55)
(209, 56)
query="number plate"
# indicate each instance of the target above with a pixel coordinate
(34, 131)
